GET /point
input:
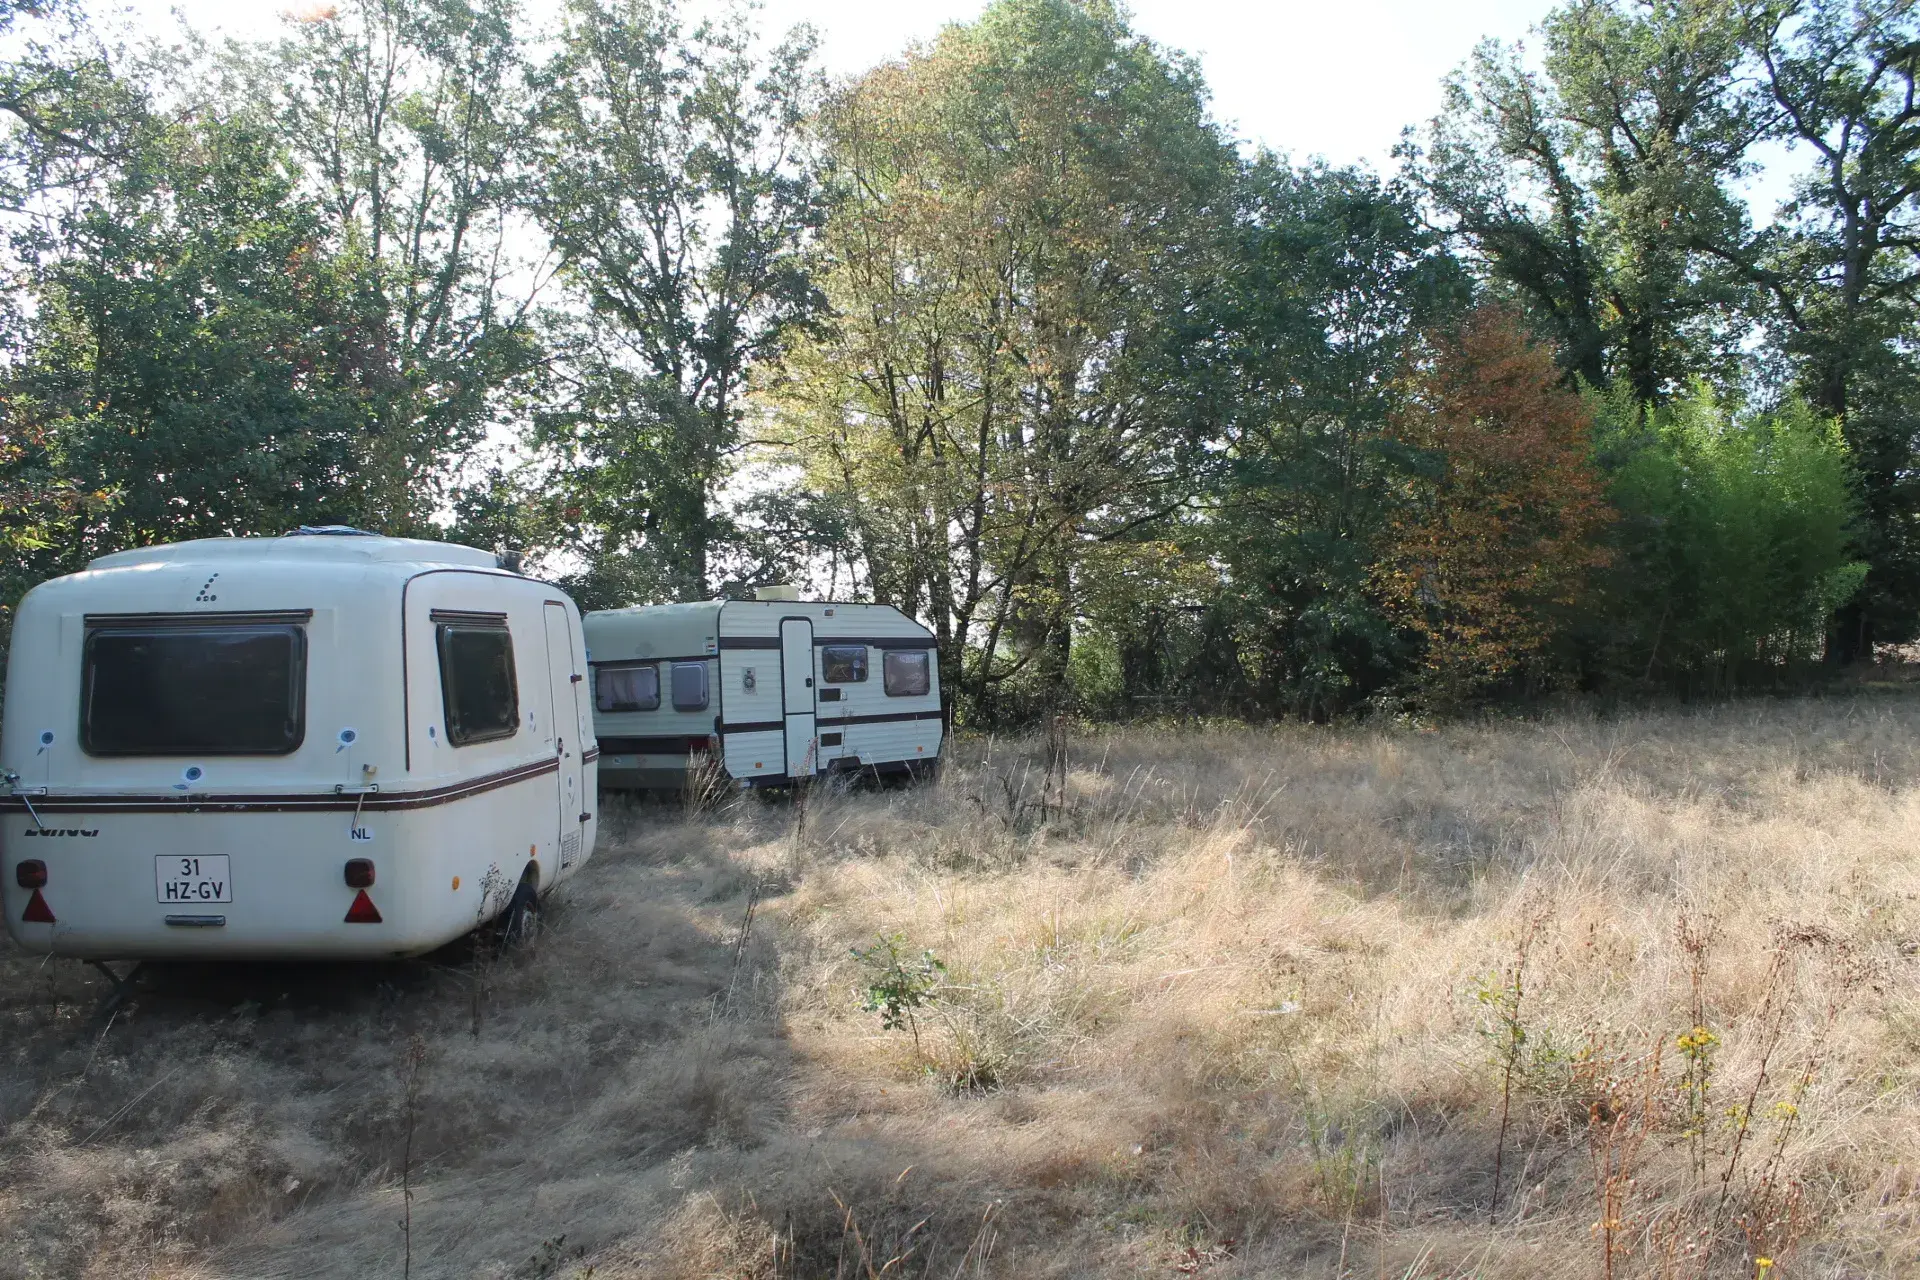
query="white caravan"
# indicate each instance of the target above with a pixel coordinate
(325, 745)
(771, 689)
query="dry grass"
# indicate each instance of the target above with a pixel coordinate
(1244, 1004)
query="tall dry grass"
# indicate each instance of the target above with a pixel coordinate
(1582, 997)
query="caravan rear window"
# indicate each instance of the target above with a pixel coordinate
(191, 689)
(477, 685)
(628, 688)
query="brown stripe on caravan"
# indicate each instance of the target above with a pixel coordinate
(268, 802)
(878, 642)
(649, 661)
(673, 744)
(758, 726)
(888, 718)
(837, 722)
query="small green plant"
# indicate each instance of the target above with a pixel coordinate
(1503, 997)
(899, 983)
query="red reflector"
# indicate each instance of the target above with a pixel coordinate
(38, 912)
(30, 874)
(363, 911)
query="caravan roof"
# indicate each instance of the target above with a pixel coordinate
(685, 630)
(305, 548)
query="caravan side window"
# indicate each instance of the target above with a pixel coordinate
(626, 687)
(689, 686)
(477, 684)
(907, 673)
(843, 663)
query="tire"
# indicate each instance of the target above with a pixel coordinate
(520, 922)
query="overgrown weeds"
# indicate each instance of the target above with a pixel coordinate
(1627, 998)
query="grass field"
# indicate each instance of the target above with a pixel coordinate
(1579, 997)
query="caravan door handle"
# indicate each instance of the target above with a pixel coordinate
(559, 746)
(809, 682)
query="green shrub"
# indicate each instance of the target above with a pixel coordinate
(1734, 543)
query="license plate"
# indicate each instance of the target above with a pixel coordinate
(197, 878)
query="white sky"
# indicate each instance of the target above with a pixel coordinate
(1332, 78)
(1307, 78)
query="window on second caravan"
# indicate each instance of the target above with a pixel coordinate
(689, 686)
(189, 690)
(626, 688)
(477, 684)
(907, 673)
(843, 664)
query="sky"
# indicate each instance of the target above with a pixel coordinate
(1332, 78)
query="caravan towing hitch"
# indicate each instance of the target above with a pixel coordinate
(122, 987)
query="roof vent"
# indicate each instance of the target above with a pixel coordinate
(509, 560)
(779, 591)
(331, 531)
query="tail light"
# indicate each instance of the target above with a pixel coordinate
(31, 873)
(360, 873)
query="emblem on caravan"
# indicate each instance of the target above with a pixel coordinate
(45, 833)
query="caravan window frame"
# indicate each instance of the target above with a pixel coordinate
(291, 626)
(851, 659)
(446, 629)
(620, 709)
(691, 669)
(890, 676)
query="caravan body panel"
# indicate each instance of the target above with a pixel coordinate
(361, 767)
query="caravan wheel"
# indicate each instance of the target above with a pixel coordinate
(521, 920)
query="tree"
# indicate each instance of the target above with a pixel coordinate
(1498, 536)
(1593, 192)
(1334, 280)
(678, 190)
(192, 360)
(67, 116)
(1839, 267)
(1032, 207)
(406, 117)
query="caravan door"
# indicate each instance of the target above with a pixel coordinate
(797, 696)
(566, 685)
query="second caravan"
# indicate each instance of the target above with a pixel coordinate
(772, 690)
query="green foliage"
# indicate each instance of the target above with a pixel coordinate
(1005, 331)
(677, 189)
(1335, 278)
(191, 366)
(898, 982)
(405, 117)
(1734, 541)
(1032, 210)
